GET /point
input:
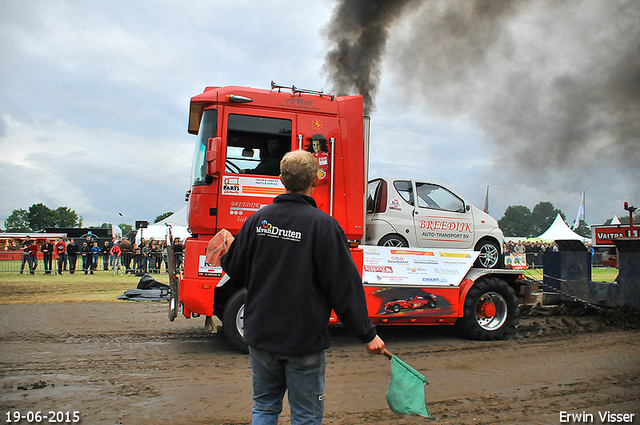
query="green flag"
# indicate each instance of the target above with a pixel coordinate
(406, 390)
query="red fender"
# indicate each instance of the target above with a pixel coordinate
(465, 286)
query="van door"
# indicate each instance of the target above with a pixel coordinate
(442, 219)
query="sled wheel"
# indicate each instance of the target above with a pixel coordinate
(233, 320)
(490, 311)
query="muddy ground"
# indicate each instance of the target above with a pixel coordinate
(125, 363)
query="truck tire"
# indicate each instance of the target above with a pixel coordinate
(489, 257)
(393, 240)
(233, 320)
(490, 311)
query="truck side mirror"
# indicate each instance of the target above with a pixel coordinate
(215, 160)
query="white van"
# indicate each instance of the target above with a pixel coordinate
(406, 212)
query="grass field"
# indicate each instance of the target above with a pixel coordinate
(600, 274)
(105, 286)
(40, 288)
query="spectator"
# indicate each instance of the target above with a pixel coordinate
(66, 255)
(178, 251)
(72, 255)
(137, 260)
(127, 251)
(60, 249)
(146, 251)
(95, 254)
(105, 255)
(25, 253)
(47, 255)
(32, 252)
(115, 252)
(85, 252)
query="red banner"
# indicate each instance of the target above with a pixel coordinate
(605, 235)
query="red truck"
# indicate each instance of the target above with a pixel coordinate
(241, 134)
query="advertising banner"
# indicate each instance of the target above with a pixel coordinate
(604, 235)
(420, 267)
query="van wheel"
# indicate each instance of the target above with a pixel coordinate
(490, 311)
(233, 320)
(489, 257)
(393, 240)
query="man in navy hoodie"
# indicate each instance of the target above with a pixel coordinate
(295, 262)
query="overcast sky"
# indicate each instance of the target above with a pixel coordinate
(538, 100)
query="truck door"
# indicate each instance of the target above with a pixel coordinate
(255, 144)
(442, 219)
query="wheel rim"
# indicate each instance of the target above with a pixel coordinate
(491, 311)
(240, 321)
(394, 243)
(488, 255)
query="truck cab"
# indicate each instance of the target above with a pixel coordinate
(241, 135)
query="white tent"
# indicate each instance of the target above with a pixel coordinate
(560, 230)
(158, 231)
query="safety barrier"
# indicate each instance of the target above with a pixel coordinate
(12, 261)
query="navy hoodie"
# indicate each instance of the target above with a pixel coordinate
(295, 262)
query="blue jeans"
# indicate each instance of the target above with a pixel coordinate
(302, 376)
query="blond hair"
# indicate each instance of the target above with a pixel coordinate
(297, 170)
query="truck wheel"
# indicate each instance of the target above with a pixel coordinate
(490, 311)
(233, 320)
(489, 257)
(393, 240)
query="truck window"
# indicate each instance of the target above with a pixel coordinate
(208, 127)
(437, 197)
(255, 145)
(403, 187)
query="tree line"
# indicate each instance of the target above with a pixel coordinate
(518, 220)
(39, 217)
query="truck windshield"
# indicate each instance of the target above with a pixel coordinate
(207, 130)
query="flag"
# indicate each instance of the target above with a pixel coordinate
(580, 215)
(486, 202)
(406, 390)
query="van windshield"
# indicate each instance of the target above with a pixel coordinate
(437, 197)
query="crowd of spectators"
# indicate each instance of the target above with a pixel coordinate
(526, 247)
(117, 254)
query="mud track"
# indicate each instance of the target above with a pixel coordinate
(125, 363)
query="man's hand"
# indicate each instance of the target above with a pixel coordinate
(375, 346)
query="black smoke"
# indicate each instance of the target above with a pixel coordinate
(358, 33)
(553, 85)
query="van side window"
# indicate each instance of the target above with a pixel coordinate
(255, 145)
(437, 197)
(376, 196)
(404, 188)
